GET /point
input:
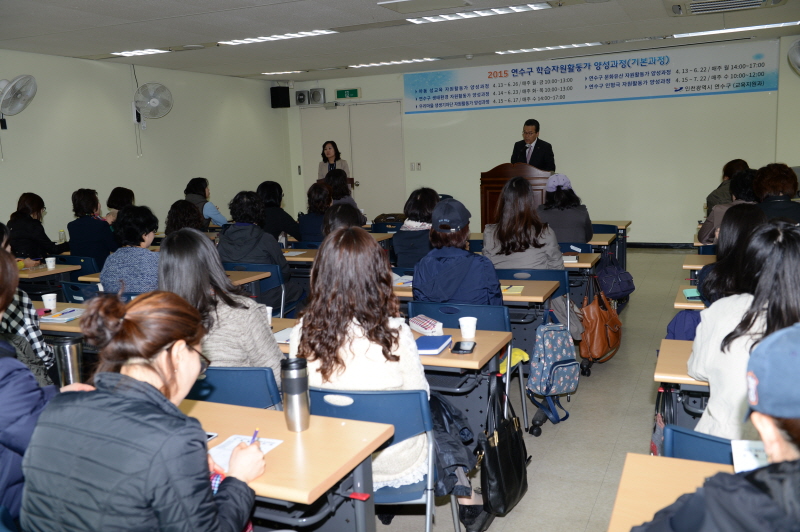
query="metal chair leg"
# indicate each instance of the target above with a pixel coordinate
(522, 394)
(454, 510)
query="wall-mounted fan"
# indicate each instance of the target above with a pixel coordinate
(152, 100)
(794, 56)
(15, 95)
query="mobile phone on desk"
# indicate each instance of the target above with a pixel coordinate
(463, 348)
(42, 311)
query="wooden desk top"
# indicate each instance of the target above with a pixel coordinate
(601, 239)
(44, 272)
(532, 291)
(73, 326)
(672, 363)
(585, 260)
(237, 278)
(696, 262)
(307, 464)
(649, 483)
(379, 237)
(697, 242)
(682, 303)
(621, 224)
(308, 255)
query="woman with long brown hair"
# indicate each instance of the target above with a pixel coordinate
(28, 239)
(520, 240)
(353, 337)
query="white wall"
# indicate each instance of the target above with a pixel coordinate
(650, 161)
(78, 132)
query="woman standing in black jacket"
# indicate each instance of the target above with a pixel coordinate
(124, 457)
(28, 239)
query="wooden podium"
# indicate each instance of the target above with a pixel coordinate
(492, 183)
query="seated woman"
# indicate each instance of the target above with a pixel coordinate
(28, 239)
(766, 498)
(520, 240)
(133, 267)
(563, 212)
(245, 241)
(276, 220)
(341, 215)
(768, 299)
(197, 191)
(182, 214)
(450, 273)
(412, 241)
(718, 279)
(354, 338)
(127, 456)
(120, 197)
(22, 398)
(239, 333)
(741, 187)
(319, 199)
(340, 191)
(775, 186)
(90, 235)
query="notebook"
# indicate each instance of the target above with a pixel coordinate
(68, 314)
(222, 452)
(511, 289)
(433, 345)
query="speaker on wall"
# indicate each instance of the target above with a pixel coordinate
(279, 97)
(300, 98)
(316, 96)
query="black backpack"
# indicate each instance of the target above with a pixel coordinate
(614, 281)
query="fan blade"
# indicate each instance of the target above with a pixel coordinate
(17, 95)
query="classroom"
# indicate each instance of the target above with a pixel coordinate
(649, 160)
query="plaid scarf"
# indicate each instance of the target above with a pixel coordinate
(21, 318)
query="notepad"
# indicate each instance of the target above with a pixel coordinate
(222, 452)
(433, 345)
(691, 293)
(512, 289)
(748, 455)
(570, 258)
(282, 336)
(68, 314)
(404, 280)
(292, 253)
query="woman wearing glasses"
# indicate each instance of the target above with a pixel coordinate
(124, 457)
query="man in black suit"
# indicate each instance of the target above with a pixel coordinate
(532, 150)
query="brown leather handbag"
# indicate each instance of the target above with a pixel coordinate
(602, 333)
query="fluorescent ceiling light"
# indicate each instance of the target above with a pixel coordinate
(544, 48)
(285, 36)
(480, 13)
(287, 72)
(402, 62)
(734, 30)
(149, 51)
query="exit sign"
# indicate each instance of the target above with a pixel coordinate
(342, 94)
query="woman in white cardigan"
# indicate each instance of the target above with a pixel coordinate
(768, 300)
(331, 160)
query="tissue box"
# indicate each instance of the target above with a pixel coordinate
(425, 325)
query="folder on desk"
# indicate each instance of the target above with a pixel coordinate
(511, 289)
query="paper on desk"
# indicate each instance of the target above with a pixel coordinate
(404, 280)
(511, 289)
(292, 253)
(282, 336)
(748, 455)
(222, 452)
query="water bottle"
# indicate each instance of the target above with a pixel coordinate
(294, 381)
(62, 236)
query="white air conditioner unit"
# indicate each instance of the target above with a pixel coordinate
(316, 96)
(683, 8)
(301, 98)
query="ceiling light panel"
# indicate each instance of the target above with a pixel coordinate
(734, 30)
(401, 62)
(149, 51)
(278, 73)
(283, 37)
(480, 13)
(545, 48)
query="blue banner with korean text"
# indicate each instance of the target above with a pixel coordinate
(662, 73)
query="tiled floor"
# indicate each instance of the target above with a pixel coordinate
(576, 465)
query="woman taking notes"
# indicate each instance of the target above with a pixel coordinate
(124, 457)
(331, 160)
(520, 240)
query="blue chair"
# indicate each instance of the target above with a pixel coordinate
(87, 264)
(707, 250)
(476, 246)
(386, 227)
(79, 292)
(607, 229)
(692, 445)
(273, 281)
(304, 245)
(410, 413)
(490, 318)
(253, 387)
(567, 247)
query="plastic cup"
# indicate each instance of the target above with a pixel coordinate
(49, 301)
(468, 326)
(269, 315)
(51, 263)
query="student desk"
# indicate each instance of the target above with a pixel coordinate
(379, 237)
(682, 303)
(324, 459)
(306, 255)
(582, 271)
(532, 291)
(671, 366)
(41, 273)
(649, 483)
(695, 263)
(70, 328)
(237, 278)
(681, 398)
(621, 248)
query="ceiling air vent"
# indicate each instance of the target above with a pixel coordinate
(684, 8)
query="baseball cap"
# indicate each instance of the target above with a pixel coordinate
(557, 180)
(773, 372)
(450, 216)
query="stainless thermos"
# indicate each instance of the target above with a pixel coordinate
(294, 381)
(68, 351)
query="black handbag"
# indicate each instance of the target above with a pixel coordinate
(503, 458)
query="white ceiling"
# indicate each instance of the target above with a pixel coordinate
(94, 28)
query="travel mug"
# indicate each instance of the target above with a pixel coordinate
(294, 381)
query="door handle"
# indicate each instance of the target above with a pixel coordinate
(356, 183)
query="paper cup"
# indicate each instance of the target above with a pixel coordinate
(49, 301)
(468, 326)
(269, 315)
(51, 263)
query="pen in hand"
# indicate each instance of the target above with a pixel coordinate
(255, 437)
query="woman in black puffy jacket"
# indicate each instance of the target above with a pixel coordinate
(124, 457)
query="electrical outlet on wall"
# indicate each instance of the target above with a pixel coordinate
(419, 167)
